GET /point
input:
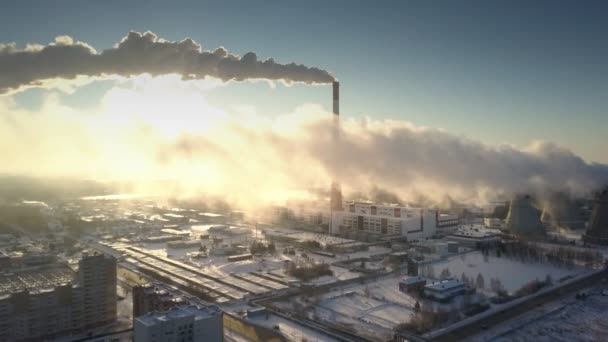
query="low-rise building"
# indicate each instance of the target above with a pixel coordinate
(445, 290)
(412, 284)
(474, 236)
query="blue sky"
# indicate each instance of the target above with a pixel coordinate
(499, 72)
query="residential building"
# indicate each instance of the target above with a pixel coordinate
(52, 300)
(181, 323)
(148, 298)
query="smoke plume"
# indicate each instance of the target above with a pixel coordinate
(136, 54)
(252, 159)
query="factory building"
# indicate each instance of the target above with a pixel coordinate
(445, 290)
(181, 323)
(597, 232)
(379, 219)
(447, 223)
(52, 300)
(412, 284)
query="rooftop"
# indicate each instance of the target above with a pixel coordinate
(474, 231)
(195, 311)
(35, 279)
(444, 285)
(412, 280)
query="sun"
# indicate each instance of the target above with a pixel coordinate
(165, 104)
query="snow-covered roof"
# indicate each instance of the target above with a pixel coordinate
(412, 280)
(444, 285)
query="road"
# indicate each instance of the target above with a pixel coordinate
(464, 332)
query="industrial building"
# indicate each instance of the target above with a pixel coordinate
(181, 323)
(597, 232)
(412, 284)
(51, 301)
(447, 223)
(379, 219)
(445, 290)
(474, 236)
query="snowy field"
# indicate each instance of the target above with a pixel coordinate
(581, 320)
(371, 309)
(293, 331)
(512, 273)
(368, 309)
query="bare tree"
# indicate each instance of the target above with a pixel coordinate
(480, 282)
(445, 273)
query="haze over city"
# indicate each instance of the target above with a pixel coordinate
(469, 129)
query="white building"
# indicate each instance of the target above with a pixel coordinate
(494, 223)
(182, 323)
(472, 235)
(447, 223)
(445, 290)
(383, 219)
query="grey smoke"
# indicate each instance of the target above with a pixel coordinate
(401, 157)
(396, 160)
(139, 53)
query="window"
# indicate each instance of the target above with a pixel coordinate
(384, 226)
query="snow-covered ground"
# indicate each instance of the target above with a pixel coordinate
(512, 273)
(293, 331)
(368, 309)
(568, 320)
(371, 309)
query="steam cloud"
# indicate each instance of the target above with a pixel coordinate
(242, 155)
(137, 54)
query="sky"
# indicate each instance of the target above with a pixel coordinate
(501, 72)
(494, 72)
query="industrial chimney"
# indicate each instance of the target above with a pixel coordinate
(523, 218)
(336, 91)
(597, 231)
(335, 199)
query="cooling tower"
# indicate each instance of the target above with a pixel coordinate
(597, 231)
(561, 211)
(523, 218)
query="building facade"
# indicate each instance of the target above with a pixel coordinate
(49, 302)
(368, 217)
(148, 298)
(445, 290)
(181, 323)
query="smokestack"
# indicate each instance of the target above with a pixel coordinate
(335, 197)
(336, 88)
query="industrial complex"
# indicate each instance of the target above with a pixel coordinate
(143, 268)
